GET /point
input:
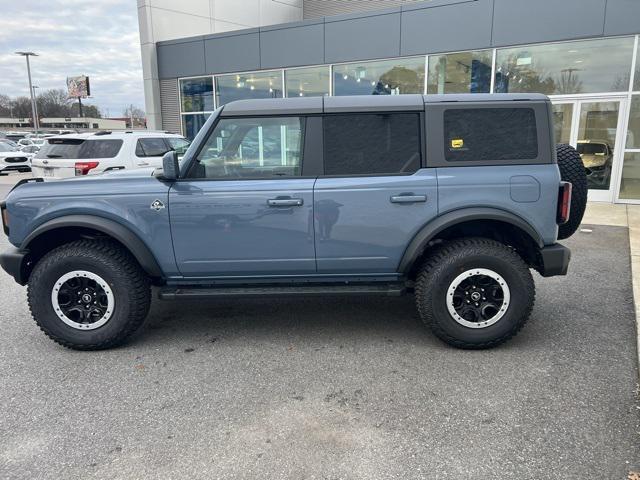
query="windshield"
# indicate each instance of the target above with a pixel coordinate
(592, 148)
(7, 147)
(77, 148)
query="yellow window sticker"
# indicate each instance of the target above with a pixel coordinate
(457, 143)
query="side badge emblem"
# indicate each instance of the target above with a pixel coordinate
(157, 205)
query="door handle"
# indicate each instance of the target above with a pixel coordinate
(285, 202)
(408, 198)
(142, 164)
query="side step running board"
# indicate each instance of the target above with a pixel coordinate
(173, 293)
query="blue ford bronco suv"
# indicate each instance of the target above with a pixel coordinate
(453, 198)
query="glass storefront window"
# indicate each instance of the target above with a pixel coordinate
(633, 132)
(388, 77)
(588, 66)
(630, 183)
(192, 123)
(196, 94)
(466, 72)
(248, 85)
(307, 82)
(562, 117)
(597, 128)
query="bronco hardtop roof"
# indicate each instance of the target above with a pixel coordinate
(362, 103)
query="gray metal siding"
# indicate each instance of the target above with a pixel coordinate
(232, 53)
(362, 38)
(516, 22)
(622, 17)
(422, 28)
(414, 28)
(169, 105)
(325, 8)
(303, 45)
(181, 59)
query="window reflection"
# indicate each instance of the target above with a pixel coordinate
(562, 118)
(467, 72)
(307, 82)
(248, 85)
(565, 68)
(193, 123)
(389, 77)
(196, 94)
(630, 184)
(633, 132)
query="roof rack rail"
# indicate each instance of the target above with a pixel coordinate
(103, 132)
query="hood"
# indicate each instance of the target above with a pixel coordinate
(590, 161)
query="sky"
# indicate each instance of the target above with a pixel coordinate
(98, 38)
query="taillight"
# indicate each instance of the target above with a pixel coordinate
(564, 203)
(82, 168)
(5, 218)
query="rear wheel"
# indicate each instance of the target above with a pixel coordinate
(89, 295)
(474, 293)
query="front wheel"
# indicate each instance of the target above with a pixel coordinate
(89, 295)
(474, 293)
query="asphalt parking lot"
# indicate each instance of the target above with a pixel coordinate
(351, 388)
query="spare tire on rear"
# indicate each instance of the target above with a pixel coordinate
(572, 170)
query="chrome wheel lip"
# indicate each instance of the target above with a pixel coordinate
(99, 281)
(476, 272)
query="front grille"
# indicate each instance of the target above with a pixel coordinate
(15, 159)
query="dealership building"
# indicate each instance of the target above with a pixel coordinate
(583, 54)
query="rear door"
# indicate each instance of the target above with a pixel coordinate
(374, 195)
(245, 209)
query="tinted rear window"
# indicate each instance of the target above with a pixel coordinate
(484, 134)
(74, 148)
(366, 144)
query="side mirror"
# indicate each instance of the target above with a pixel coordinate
(170, 166)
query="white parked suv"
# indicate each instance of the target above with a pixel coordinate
(12, 159)
(92, 153)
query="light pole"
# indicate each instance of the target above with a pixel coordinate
(33, 103)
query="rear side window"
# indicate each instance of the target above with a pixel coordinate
(485, 134)
(74, 148)
(151, 147)
(369, 144)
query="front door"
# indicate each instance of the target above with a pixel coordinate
(244, 209)
(592, 126)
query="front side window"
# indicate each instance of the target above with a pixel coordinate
(151, 147)
(370, 144)
(266, 147)
(179, 145)
(487, 134)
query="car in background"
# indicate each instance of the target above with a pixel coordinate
(27, 142)
(12, 159)
(82, 154)
(597, 158)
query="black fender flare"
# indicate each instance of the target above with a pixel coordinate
(124, 235)
(449, 219)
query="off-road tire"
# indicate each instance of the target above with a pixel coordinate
(448, 261)
(128, 282)
(572, 170)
